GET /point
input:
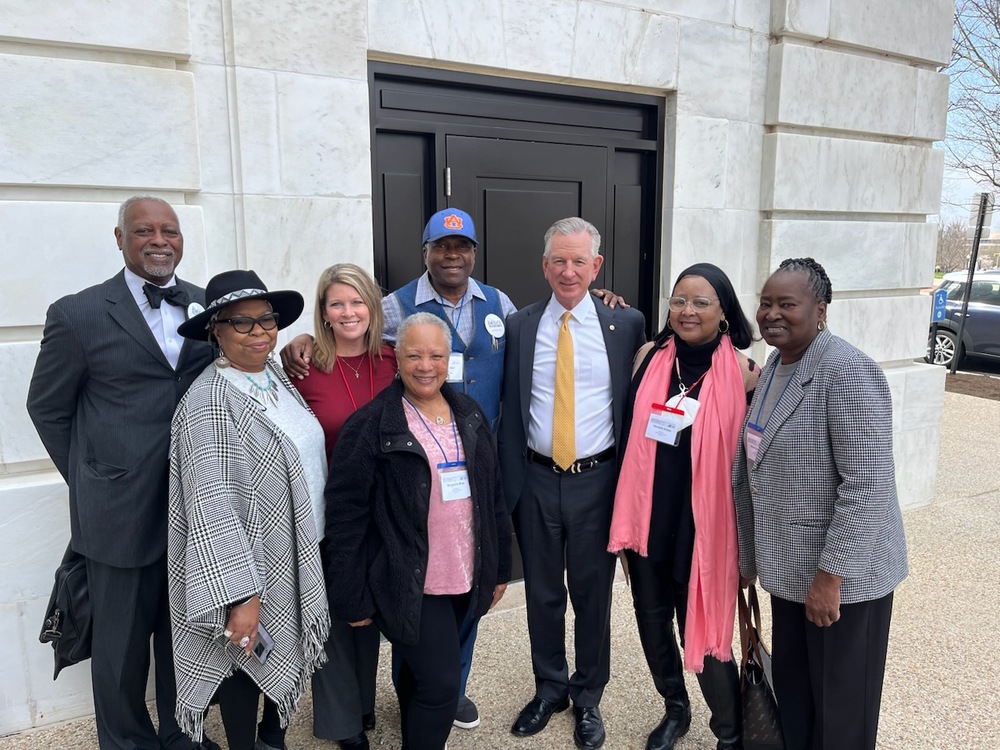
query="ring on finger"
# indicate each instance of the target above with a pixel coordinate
(244, 641)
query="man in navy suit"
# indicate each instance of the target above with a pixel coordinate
(109, 373)
(562, 503)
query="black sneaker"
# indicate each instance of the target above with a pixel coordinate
(466, 715)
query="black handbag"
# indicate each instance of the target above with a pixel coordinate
(68, 618)
(761, 721)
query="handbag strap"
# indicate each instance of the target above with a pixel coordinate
(749, 610)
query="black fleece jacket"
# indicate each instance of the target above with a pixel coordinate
(377, 500)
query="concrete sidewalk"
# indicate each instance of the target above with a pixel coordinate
(940, 686)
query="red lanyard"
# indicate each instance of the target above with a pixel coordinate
(684, 390)
(347, 384)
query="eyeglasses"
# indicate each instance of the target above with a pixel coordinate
(677, 304)
(460, 246)
(244, 325)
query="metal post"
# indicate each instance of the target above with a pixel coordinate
(984, 204)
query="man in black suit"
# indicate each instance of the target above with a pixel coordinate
(566, 376)
(109, 373)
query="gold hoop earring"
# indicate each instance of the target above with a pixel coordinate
(821, 326)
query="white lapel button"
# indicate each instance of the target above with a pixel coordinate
(611, 327)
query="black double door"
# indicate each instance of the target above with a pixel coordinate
(517, 160)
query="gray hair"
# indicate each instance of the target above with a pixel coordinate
(422, 318)
(570, 226)
(123, 208)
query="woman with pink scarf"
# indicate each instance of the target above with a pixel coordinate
(674, 517)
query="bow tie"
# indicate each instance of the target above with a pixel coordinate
(174, 295)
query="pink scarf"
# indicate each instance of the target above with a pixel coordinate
(714, 578)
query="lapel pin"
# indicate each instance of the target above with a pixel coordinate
(611, 327)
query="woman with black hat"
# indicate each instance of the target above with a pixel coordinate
(674, 516)
(248, 605)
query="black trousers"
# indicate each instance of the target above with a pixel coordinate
(828, 681)
(562, 523)
(238, 697)
(129, 606)
(658, 598)
(430, 674)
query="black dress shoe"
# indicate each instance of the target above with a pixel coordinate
(536, 715)
(674, 724)
(368, 721)
(589, 732)
(357, 742)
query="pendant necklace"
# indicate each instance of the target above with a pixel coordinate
(357, 370)
(267, 392)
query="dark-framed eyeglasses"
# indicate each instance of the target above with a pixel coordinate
(268, 322)
(677, 304)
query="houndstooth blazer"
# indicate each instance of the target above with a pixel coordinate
(822, 493)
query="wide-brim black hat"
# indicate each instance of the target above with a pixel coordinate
(235, 286)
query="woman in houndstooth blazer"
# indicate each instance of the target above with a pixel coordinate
(817, 515)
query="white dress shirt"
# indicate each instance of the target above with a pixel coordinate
(592, 380)
(163, 322)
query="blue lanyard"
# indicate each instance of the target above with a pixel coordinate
(760, 406)
(427, 427)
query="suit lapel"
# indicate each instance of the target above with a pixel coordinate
(526, 356)
(196, 294)
(124, 310)
(795, 392)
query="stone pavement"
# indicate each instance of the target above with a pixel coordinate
(940, 687)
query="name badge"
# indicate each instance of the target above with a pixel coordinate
(688, 404)
(751, 440)
(456, 367)
(665, 424)
(454, 481)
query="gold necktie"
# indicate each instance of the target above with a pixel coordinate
(564, 414)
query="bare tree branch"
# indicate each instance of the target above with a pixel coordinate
(973, 140)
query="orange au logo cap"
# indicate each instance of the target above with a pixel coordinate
(453, 221)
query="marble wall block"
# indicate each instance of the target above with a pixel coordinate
(622, 45)
(858, 255)
(291, 240)
(918, 398)
(753, 14)
(465, 31)
(715, 73)
(15, 711)
(744, 150)
(804, 18)
(700, 160)
(538, 36)
(216, 121)
(70, 122)
(884, 328)
(323, 136)
(727, 238)
(302, 36)
(813, 173)
(210, 32)
(915, 29)
(33, 236)
(18, 440)
(824, 88)
(257, 131)
(155, 26)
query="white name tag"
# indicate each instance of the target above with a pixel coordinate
(688, 404)
(751, 440)
(456, 367)
(454, 481)
(665, 424)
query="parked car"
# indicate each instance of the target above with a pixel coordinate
(981, 337)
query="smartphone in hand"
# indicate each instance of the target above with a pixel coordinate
(263, 645)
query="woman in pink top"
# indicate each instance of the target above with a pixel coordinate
(417, 532)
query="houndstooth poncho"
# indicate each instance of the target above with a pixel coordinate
(240, 523)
